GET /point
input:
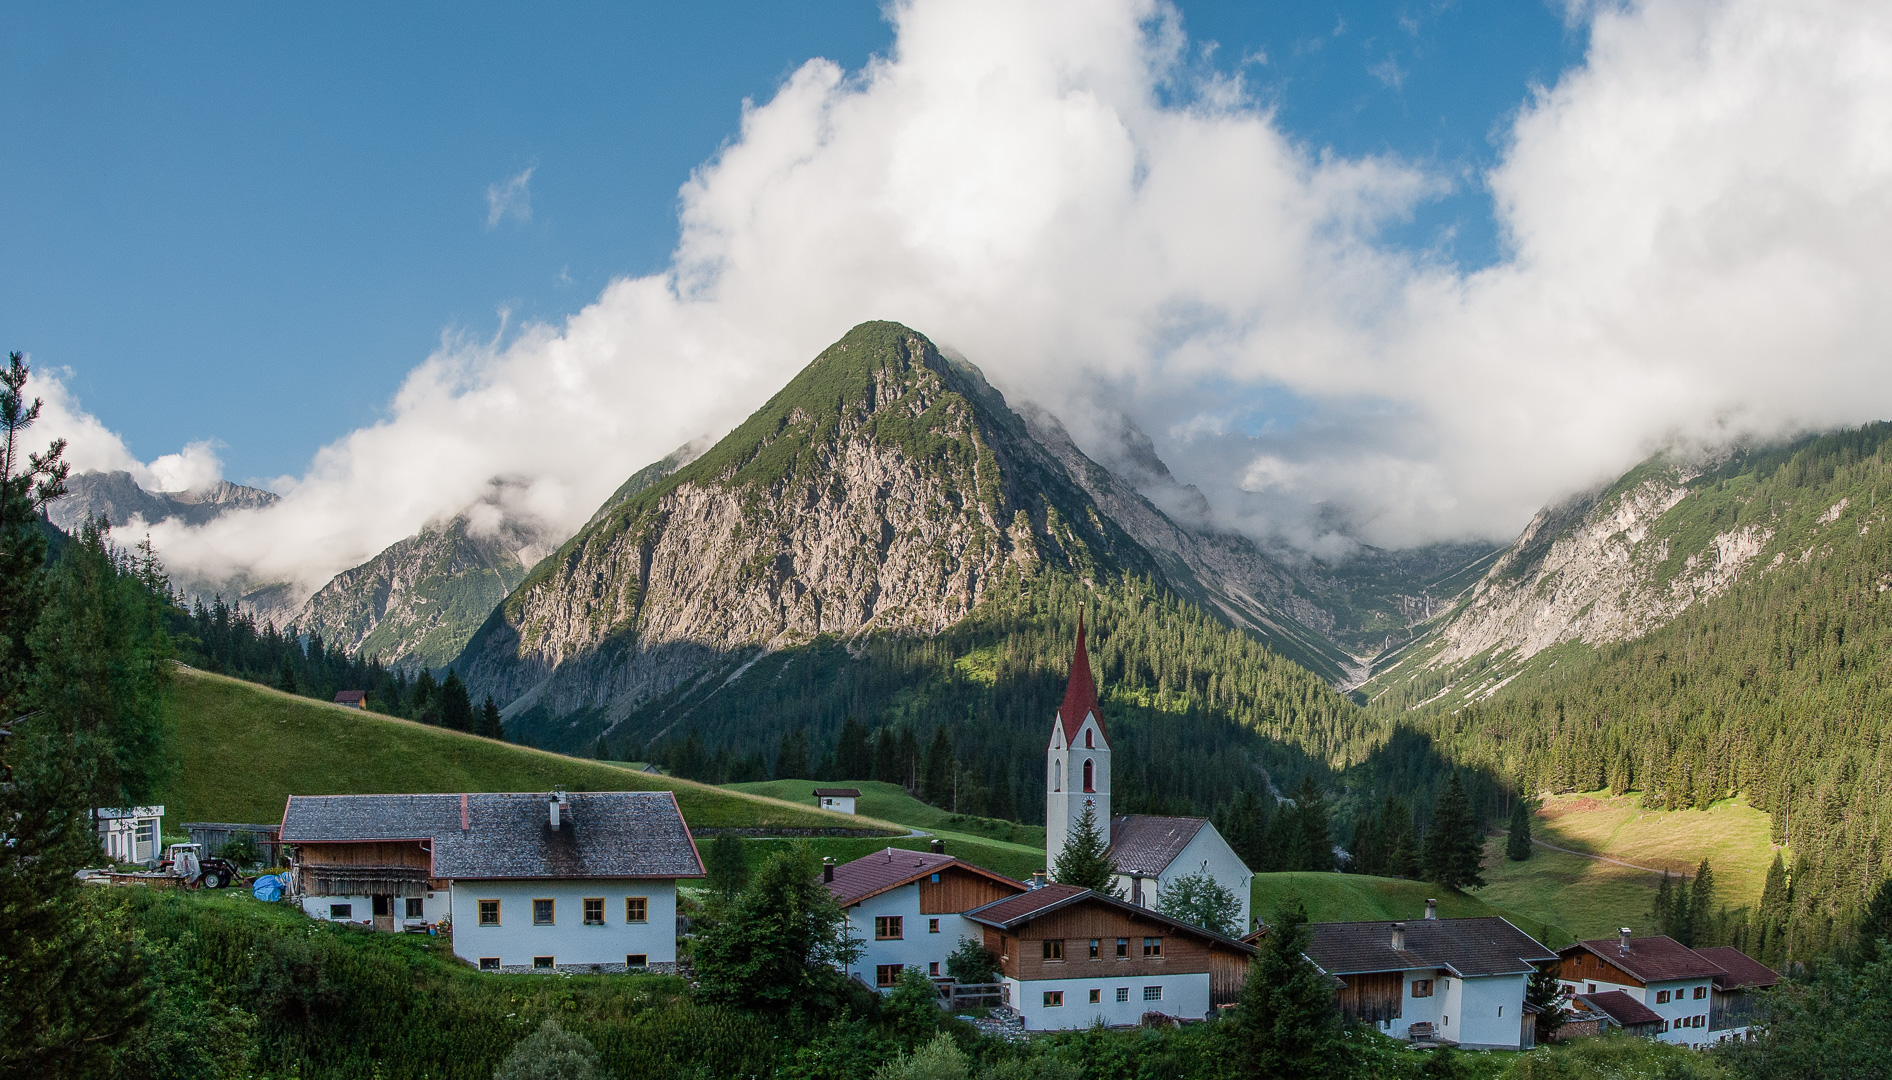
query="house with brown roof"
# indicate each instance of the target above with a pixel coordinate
(579, 882)
(1596, 1014)
(1731, 1002)
(1071, 958)
(1673, 981)
(1149, 851)
(1460, 981)
(906, 906)
(353, 699)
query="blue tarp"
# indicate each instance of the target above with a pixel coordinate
(267, 888)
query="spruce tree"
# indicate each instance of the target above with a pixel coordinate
(286, 680)
(791, 760)
(456, 708)
(1311, 843)
(726, 869)
(490, 724)
(853, 758)
(1453, 856)
(1517, 846)
(1085, 861)
(1776, 904)
(1546, 994)
(936, 785)
(907, 760)
(886, 757)
(1700, 919)
(1874, 933)
(1285, 1025)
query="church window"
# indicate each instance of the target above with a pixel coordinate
(1090, 776)
(1057, 776)
(1088, 744)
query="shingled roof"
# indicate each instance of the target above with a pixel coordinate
(1620, 1007)
(1014, 911)
(1080, 693)
(509, 835)
(1145, 844)
(1465, 947)
(871, 875)
(1743, 971)
(1650, 959)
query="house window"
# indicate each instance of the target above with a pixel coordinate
(1701, 992)
(1421, 988)
(1152, 948)
(887, 974)
(1097, 997)
(1097, 948)
(1152, 993)
(489, 913)
(1448, 1022)
(932, 926)
(636, 909)
(1054, 999)
(1501, 1010)
(594, 911)
(636, 960)
(543, 963)
(1090, 776)
(1665, 1027)
(341, 911)
(489, 963)
(1123, 993)
(1054, 948)
(415, 909)
(1662, 997)
(1591, 988)
(932, 968)
(542, 912)
(889, 928)
(1123, 948)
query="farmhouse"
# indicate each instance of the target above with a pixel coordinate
(1149, 851)
(1071, 957)
(352, 699)
(581, 882)
(906, 908)
(1666, 977)
(1460, 981)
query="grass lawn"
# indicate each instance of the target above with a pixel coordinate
(1360, 897)
(244, 749)
(1005, 846)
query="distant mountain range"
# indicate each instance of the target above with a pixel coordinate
(118, 498)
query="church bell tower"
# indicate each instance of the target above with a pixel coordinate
(1077, 762)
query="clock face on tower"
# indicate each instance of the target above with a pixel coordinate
(1092, 803)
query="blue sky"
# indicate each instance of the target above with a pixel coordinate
(248, 225)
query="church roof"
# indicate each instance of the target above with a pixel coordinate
(1145, 845)
(1080, 692)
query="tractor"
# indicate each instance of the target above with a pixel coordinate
(189, 864)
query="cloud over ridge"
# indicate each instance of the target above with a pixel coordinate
(1699, 220)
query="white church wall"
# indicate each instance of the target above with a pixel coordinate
(1065, 797)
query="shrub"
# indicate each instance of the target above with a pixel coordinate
(550, 1053)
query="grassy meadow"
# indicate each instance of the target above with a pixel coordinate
(244, 749)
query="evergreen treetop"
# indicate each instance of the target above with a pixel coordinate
(1453, 855)
(1085, 860)
(1517, 845)
(1285, 1025)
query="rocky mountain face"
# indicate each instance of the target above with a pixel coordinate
(885, 488)
(1619, 562)
(117, 497)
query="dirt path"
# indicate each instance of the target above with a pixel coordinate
(1587, 855)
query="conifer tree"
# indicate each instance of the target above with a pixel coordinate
(1662, 911)
(886, 756)
(1874, 933)
(936, 785)
(1285, 1025)
(1546, 994)
(907, 760)
(1517, 846)
(726, 869)
(1771, 920)
(286, 680)
(1453, 856)
(1085, 861)
(791, 760)
(853, 758)
(1699, 922)
(456, 708)
(1311, 846)
(490, 724)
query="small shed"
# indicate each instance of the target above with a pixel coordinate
(130, 834)
(352, 699)
(214, 834)
(840, 799)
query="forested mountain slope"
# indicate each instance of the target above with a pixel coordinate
(1771, 676)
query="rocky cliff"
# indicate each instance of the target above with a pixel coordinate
(885, 488)
(117, 497)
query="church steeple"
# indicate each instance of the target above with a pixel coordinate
(1077, 761)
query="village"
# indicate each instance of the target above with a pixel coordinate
(589, 883)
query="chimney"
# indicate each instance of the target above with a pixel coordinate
(1622, 941)
(827, 871)
(1037, 879)
(938, 846)
(1399, 937)
(1432, 908)
(556, 807)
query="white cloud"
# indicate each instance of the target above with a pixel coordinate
(1700, 214)
(510, 198)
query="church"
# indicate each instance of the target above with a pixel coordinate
(1148, 851)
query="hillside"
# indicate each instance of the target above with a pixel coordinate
(244, 749)
(1769, 682)
(1362, 898)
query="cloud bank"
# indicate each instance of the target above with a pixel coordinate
(1699, 221)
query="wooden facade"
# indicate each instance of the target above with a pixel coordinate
(959, 889)
(1372, 996)
(404, 853)
(1588, 967)
(373, 868)
(1021, 952)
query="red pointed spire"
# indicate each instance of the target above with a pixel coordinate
(1080, 692)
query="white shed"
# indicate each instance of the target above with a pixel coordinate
(130, 834)
(839, 799)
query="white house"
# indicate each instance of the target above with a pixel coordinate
(838, 799)
(1460, 980)
(905, 908)
(1071, 958)
(1671, 980)
(1150, 852)
(582, 882)
(131, 834)
(1731, 1003)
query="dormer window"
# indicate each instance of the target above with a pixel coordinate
(1089, 744)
